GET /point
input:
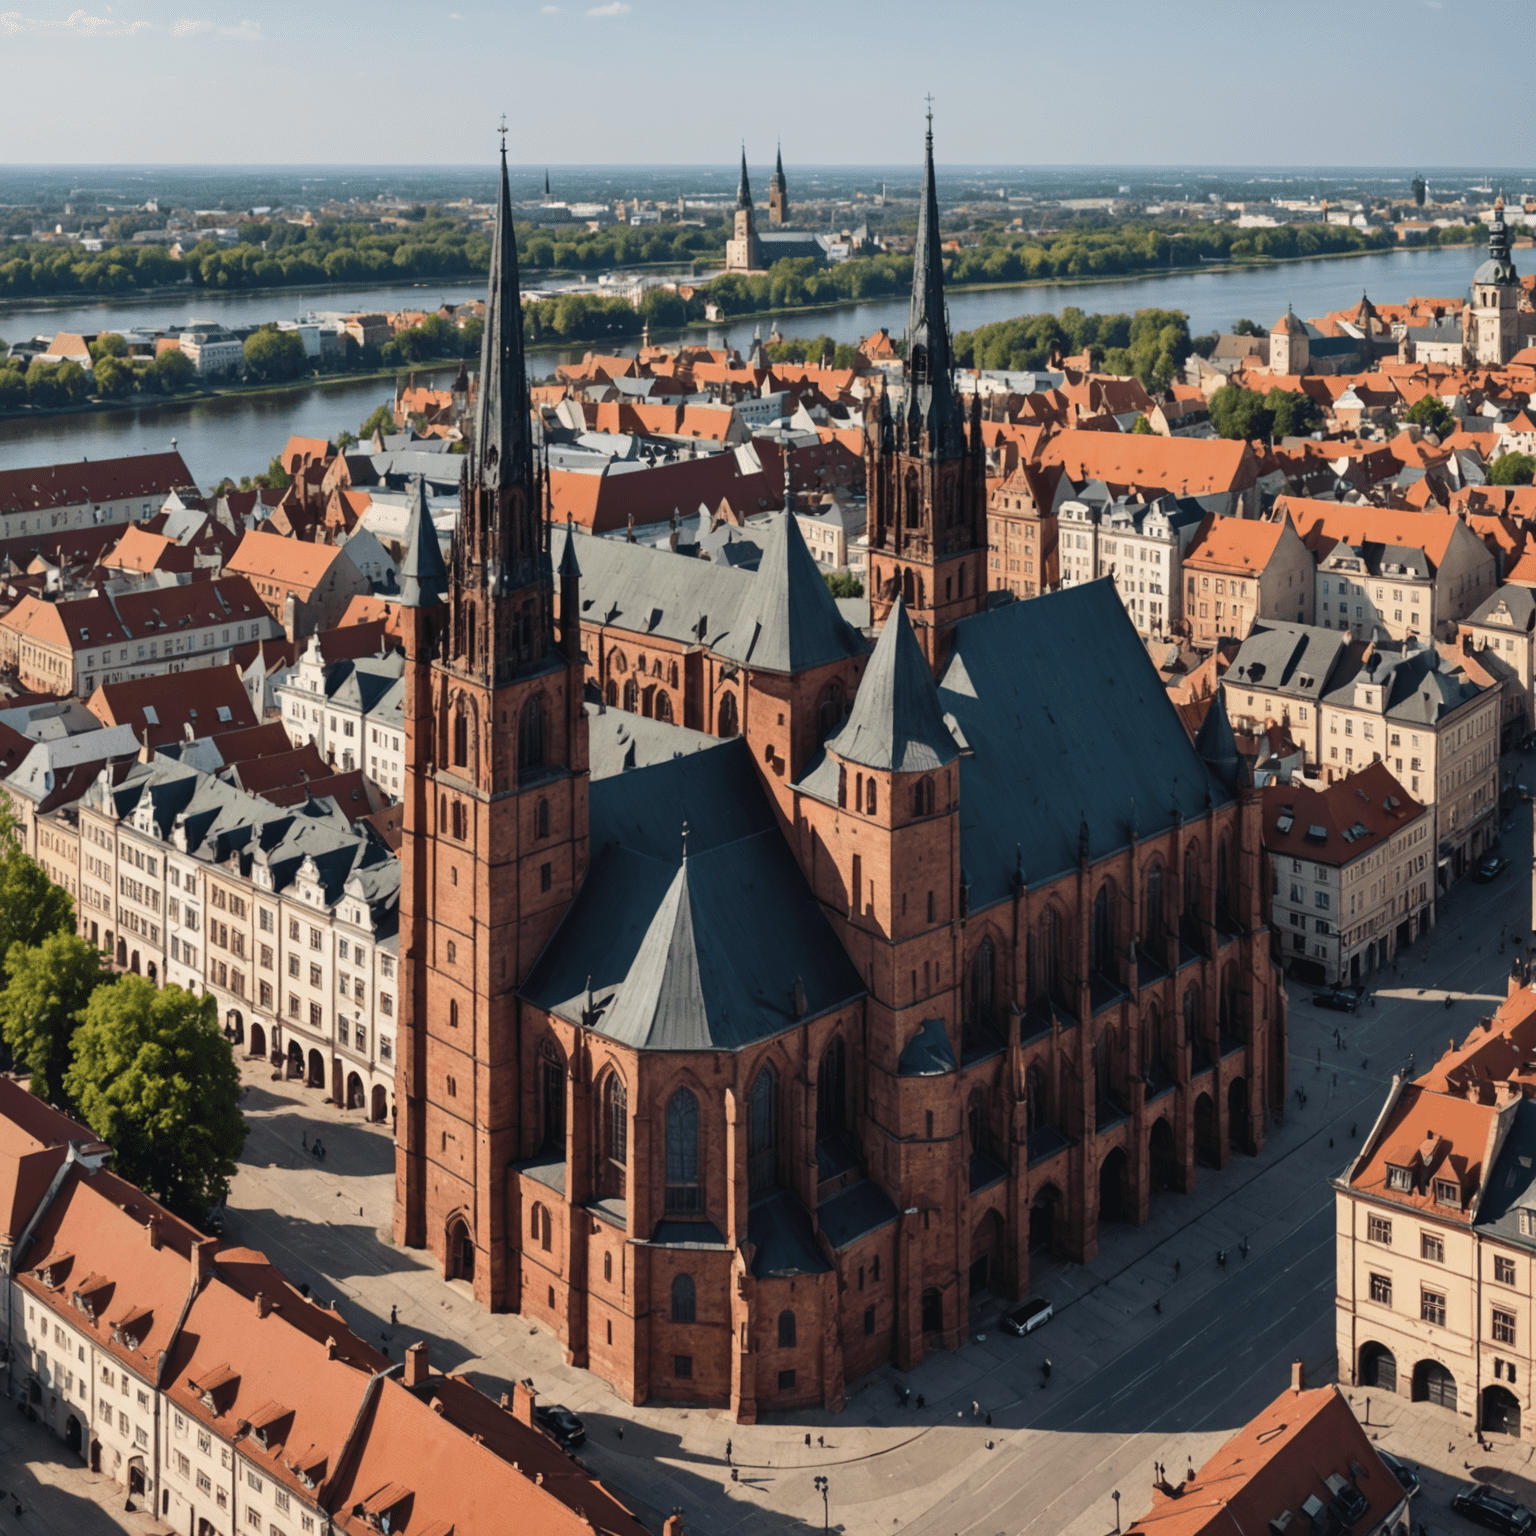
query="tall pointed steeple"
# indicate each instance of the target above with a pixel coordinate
(423, 576)
(778, 161)
(502, 452)
(743, 188)
(933, 407)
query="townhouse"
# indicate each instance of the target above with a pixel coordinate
(1022, 534)
(1223, 473)
(1381, 569)
(304, 586)
(1503, 626)
(1436, 1232)
(1352, 873)
(220, 1397)
(55, 497)
(1141, 549)
(119, 633)
(1237, 572)
(351, 709)
(287, 915)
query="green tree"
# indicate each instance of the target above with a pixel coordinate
(40, 1006)
(108, 344)
(843, 584)
(1295, 413)
(13, 388)
(172, 370)
(272, 355)
(276, 477)
(43, 383)
(1142, 428)
(1512, 469)
(1431, 413)
(114, 378)
(1240, 413)
(72, 383)
(153, 1076)
(382, 420)
(345, 440)
(31, 906)
(1248, 328)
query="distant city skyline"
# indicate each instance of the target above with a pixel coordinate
(273, 82)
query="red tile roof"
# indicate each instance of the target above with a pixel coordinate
(205, 701)
(139, 477)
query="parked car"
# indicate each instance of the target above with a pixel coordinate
(1028, 1316)
(1344, 999)
(562, 1426)
(1401, 1471)
(1493, 1508)
(1490, 867)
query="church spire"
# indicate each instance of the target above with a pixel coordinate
(778, 161)
(933, 408)
(502, 452)
(743, 190)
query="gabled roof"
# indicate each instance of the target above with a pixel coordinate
(896, 722)
(423, 575)
(679, 958)
(789, 621)
(143, 476)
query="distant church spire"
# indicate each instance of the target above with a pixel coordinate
(933, 407)
(778, 161)
(502, 452)
(743, 190)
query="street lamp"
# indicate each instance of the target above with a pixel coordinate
(821, 1488)
(1116, 1497)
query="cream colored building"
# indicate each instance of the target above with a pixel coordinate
(1436, 1235)
(1505, 624)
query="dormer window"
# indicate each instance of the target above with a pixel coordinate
(1447, 1192)
(1399, 1178)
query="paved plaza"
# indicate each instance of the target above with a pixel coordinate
(1158, 1352)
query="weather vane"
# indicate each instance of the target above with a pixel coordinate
(503, 131)
(929, 99)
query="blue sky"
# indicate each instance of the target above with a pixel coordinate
(1120, 82)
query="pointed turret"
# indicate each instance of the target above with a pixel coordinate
(423, 576)
(932, 408)
(502, 451)
(661, 1005)
(743, 189)
(1499, 268)
(1217, 746)
(896, 722)
(778, 161)
(570, 596)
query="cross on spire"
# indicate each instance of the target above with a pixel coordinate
(929, 99)
(502, 130)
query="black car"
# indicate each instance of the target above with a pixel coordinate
(1493, 1508)
(1401, 1471)
(1026, 1318)
(1490, 867)
(561, 1425)
(1344, 999)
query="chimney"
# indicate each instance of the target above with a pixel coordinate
(330, 1348)
(152, 1227)
(202, 1257)
(1298, 1376)
(262, 1307)
(523, 1400)
(673, 1526)
(415, 1365)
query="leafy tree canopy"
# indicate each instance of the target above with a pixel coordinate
(40, 1006)
(1241, 413)
(1431, 413)
(1512, 469)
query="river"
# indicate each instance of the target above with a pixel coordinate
(238, 435)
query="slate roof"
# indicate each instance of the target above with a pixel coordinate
(1293, 659)
(423, 575)
(896, 722)
(679, 958)
(928, 1053)
(618, 740)
(1518, 601)
(781, 1231)
(1416, 685)
(1510, 1187)
(1064, 714)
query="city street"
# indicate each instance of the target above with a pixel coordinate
(1158, 1352)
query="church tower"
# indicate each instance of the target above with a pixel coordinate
(495, 832)
(743, 253)
(925, 471)
(778, 193)
(1495, 298)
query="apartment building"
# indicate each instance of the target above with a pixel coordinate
(352, 710)
(1021, 534)
(212, 350)
(119, 633)
(1353, 873)
(1279, 677)
(215, 1393)
(306, 586)
(1503, 626)
(1141, 549)
(1436, 1233)
(1238, 572)
(270, 909)
(1384, 570)
(54, 497)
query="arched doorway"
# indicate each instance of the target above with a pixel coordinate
(1114, 1191)
(986, 1254)
(72, 1434)
(933, 1312)
(1164, 1156)
(295, 1060)
(461, 1251)
(258, 1040)
(1432, 1383)
(136, 1477)
(234, 1026)
(1206, 1149)
(133, 964)
(1501, 1410)
(355, 1094)
(1042, 1220)
(1237, 1114)
(316, 1078)
(1378, 1367)
(154, 975)
(122, 954)
(380, 1103)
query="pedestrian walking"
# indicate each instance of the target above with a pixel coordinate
(727, 1453)
(394, 1317)
(975, 1408)
(920, 1401)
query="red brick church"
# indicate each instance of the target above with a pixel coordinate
(771, 993)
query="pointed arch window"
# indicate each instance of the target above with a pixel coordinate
(611, 694)
(727, 721)
(530, 734)
(632, 696)
(683, 1194)
(1102, 935)
(541, 818)
(832, 1093)
(786, 1330)
(870, 796)
(1192, 882)
(460, 737)
(552, 1092)
(984, 982)
(829, 713)
(663, 708)
(614, 1137)
(763, 1132)
(1152, 905)
(922, 797)
(1036, 1100)
(683, 1299)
